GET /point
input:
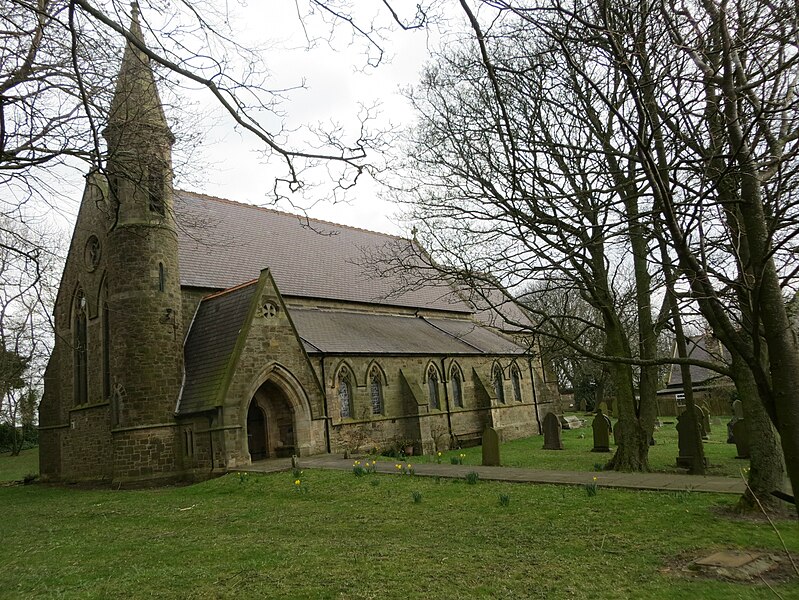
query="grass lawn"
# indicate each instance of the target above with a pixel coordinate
(577, 455)
(257, 536)
(14, 468)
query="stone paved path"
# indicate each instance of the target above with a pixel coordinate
(637, 481)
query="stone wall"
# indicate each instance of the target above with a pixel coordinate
(270, 351)
(86, 445)
(408, 412)
(146, 454)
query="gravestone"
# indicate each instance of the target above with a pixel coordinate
(703, 419)
(571, 422)
(738, 414)
(706, 418)
(490, 447)
(741, 434)
(552, 439)
(603, 406)
(686, 442)
(601, 427)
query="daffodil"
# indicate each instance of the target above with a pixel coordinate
(297, 482)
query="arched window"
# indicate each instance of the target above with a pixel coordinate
(80, 354)
(499, 389)
(457, 387)
(516, 381)
(376, 392)
(432, 387)
(344, 395)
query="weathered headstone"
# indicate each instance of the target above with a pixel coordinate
(490, 447)
(601, 427)
(738, 409)
(706, 418)
(552, 439)
(738, 414)
(603, 406)
(703, 419)
(571, 422)
(741, 434)
(686, 442)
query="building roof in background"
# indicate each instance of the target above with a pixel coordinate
(224, 243)
(704, 348)
(335, 331)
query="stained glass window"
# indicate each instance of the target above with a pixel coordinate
(457, 388)
(515, 379)
(432, 388)
(376, 393)
(344, 396)
(499, 389)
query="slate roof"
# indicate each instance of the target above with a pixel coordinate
(324, 331)
(703, 348)
(210, 344)
(223, 244)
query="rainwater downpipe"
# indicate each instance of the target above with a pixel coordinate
(446, 398)
(327, 408)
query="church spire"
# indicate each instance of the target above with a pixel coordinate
(136, 117)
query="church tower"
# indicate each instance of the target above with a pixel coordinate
(143, 285)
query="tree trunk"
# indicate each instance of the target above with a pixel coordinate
(767, 467)
(632, 452)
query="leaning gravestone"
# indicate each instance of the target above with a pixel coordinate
(490, 447)
(552, 438)
(741, 434)
(602, 428)
(571, 422)
(686, 442)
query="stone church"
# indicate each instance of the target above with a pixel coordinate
(196, 334)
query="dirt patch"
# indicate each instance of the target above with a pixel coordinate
(786, 513)
(739, 566)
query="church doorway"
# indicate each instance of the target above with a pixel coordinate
(270, 424)
(256, 432)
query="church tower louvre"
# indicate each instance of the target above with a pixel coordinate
(143, 285)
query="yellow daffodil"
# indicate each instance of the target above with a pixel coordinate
(297, 482)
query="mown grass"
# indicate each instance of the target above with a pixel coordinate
(365, 537)
(13, 468)
(577, 455)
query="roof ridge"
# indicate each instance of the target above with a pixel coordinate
(230, 289)
(289, 214)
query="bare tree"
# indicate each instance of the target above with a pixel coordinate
(59, 58)
(654, 136)
(29, 267)
(518, 175)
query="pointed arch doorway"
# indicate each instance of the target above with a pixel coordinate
(271, 424)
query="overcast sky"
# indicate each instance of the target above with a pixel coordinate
(336, 82)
